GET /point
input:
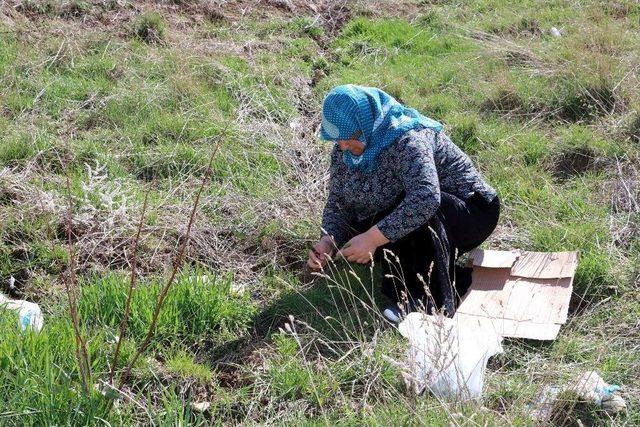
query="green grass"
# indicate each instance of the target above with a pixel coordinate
(182, 365)
(544, 118)
(39, 373)
(40, 382)
(198, 309)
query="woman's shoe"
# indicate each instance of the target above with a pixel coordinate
(396, 312)
(392, 314)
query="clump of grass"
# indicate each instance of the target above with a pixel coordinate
(534, 148)
(290, 378)
(632, 130)
(431, 20)
(504, 101)
(15, 151)
(321, 63)
(464, 133)
(39, 372)
(308, 26)
(584, 102)
(182, 364)
(40, 377)
(75, 9)
(198, 308)
(36, 7)
(150, 28)
(167, 162)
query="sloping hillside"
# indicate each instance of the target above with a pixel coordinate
(107, 103)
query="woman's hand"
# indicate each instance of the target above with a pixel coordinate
(321, 253)
(361, 248)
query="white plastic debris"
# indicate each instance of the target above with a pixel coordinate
(29, 313)
(591, 387)
(555, 32)
(447, 359)
(545, 402)
(237, 289)
(201, 406)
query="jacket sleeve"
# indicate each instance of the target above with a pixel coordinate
(337, 218)
(419, 176)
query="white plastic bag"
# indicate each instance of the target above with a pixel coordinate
(29, 313)
(446, 359)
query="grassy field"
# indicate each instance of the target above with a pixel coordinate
(130, 98)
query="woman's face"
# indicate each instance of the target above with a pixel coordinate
(353, 144)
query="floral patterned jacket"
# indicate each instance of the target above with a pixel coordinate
(411, 173)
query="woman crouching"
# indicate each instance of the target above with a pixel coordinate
(397, 182)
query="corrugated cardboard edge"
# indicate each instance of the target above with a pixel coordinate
(539, 266)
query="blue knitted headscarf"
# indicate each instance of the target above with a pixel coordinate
(381, 119)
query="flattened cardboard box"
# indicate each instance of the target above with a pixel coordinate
(519, 294)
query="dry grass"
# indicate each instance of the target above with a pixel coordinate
(624, 192)
(324, 363)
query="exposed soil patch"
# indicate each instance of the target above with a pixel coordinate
(284, 250)
(14, 285)
(589, 102)
(619, 9)
(584, 104)
(520, 58)
(574, 162)
(113, 14)
(334, 16)
(504, 102)
(526, 27)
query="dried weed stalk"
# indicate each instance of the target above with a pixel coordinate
(72, 291)
(177, 264)
(132, 285)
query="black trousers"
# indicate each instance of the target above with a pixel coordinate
(408, 263)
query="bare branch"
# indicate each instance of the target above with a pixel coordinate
(132, 285)
(176, 265)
